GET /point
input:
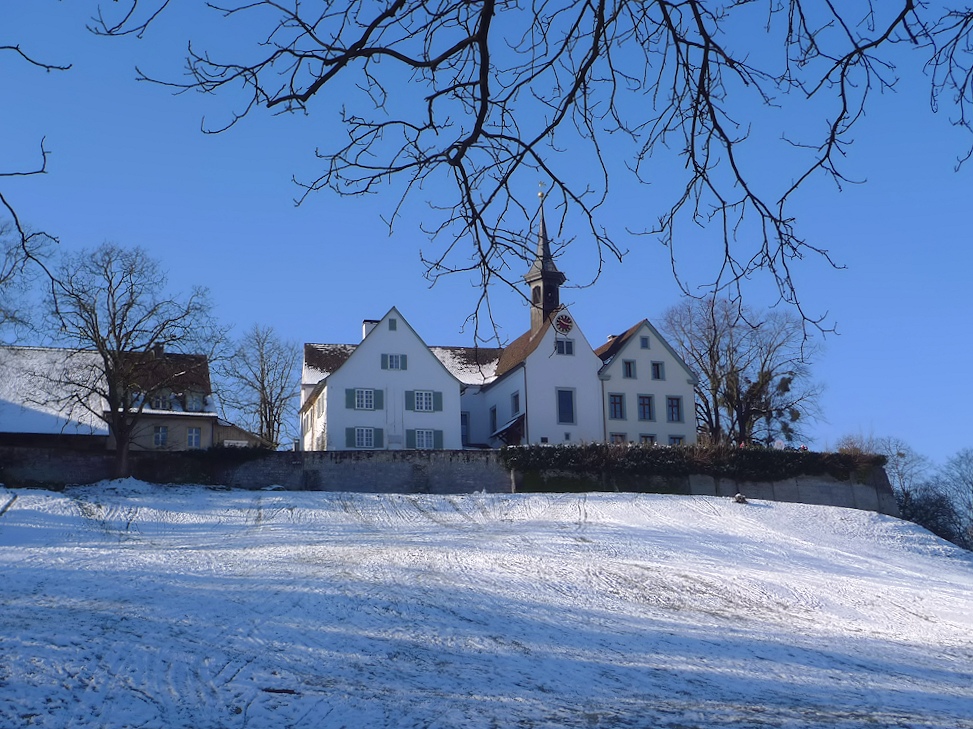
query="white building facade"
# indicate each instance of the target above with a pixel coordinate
(390, 392)
(548, 386)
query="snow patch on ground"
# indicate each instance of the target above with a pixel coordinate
(131, 605)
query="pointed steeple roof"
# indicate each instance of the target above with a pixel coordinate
(543, 266)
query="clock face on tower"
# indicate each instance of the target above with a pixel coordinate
(563, 323)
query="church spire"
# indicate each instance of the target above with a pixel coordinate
(543, 277)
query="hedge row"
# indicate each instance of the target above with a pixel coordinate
(741, 464)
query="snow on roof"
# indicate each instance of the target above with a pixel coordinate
(469, 365)
(32, 395)
(320, 360)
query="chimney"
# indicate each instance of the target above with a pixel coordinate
(611, 337)
(367, 325)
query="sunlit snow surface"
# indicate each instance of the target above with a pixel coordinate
(130, 605)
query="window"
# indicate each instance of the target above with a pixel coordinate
(644, 342)
(515, 403)
(395, 362)
(194, 437)
(364, 399)
(194, 402)
(565, 407)
(464, 427)
(674, 409)
(364, 437)
(618, 438)
(628, 369)
(160, 402)
(564, 346)
(646, 408)
(160, 436)
(425, 439)
(493, 420)
(675, 440)
(658, 371)
(616, 406)
(393, 323)
(424, 401)
(647, 439)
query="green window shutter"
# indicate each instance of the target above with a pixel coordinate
(385, 361)
(437, 402)
(350, 398)
(405, 362)
(379, 399)
(379, 440)
(410, 439)
(349, 437)
(410, 399)
(437, 440)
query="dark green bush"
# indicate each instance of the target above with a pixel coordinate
(740, 464)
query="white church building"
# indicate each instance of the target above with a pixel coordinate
(392, 391)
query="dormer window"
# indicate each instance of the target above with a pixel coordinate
(160, 402)
(194, 402)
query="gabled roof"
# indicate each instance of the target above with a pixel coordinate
(470, 365)
(614, 345)
(610, 349)
(171, 371)
(523, 346)
(320, 360)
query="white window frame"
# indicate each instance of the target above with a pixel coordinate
(364, 398)
(395, 361)
(364, 437)
(564, 346)
(194, 437)
(160, 436)
(424, 402)
(425, 439)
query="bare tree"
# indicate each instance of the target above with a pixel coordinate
(110, 305)
(260, 382)
(955, 479)
(922, 499)
(18, 250)
(21, 246)
(489, 95)
(752, 369)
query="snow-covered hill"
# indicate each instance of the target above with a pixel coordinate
(130, 605)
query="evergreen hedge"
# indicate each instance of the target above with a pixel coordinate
(740, 464)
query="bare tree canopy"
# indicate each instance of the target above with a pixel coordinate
(752, 369)
(32, 243)
(465, 102)
(113, 301)
(260, 383)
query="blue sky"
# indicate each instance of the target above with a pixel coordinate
(128, 164)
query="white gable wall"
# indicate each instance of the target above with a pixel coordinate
(390, 417)
(676, 382)
(548, 372)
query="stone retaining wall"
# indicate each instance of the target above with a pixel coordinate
(432, 472)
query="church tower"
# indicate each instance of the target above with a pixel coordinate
(543, 278)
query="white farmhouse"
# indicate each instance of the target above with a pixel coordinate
(388, 392)
(647, 389)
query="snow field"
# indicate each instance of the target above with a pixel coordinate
(130, 605)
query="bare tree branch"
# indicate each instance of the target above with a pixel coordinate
(482, 97)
